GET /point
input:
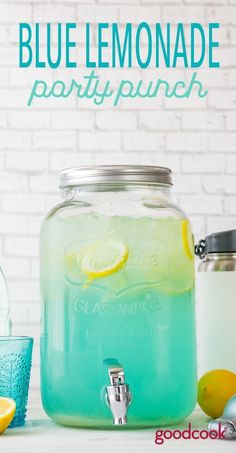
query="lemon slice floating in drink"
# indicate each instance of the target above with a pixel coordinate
(102, 258)
(187, 239)
(7, 412)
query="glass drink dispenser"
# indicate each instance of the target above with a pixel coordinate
(118, 316)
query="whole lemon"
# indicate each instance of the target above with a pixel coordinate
(215, 388)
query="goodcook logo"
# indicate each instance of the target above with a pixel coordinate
(189, 433)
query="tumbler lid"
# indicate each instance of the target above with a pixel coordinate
(102, 174)
(221, 242)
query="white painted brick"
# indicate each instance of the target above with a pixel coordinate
(12, 140)
(222, 99)
(230, 205)
(52, 103)
(34, 312)
(2, 160)
(24, 291)
(29, 161)
(30, 330)
(186, 142)
(35, 378)
(60, 161)
(55, 140)
(203, 164)
(34, 272)
(72, 120)
(76, 1)
(165, 2)
(117, 2)
(183, 14)
(202, 205)
(116, 120)
(165, 160)
(12, 182)
(231, 121)
(159, 121)
(198, 226)
(232, 80)
(13, 224)
(142, 141)
(104, 141)
(15, 13)
(231, 164)
(226, 15)
(232, 33)
(225, 184)
(34, 224)
(43, 183)
(12, 98)
(115, 76)
(4, 34)
(195, 103)
(203, 121)
(88, 104)
(36, 355)
(222, 142)
(33, 1)
(50, 13)
(187, 185)
(137, 14)
(122, 158)
(52, 201)
(72, 73)
(25, 203)
(226, 57)
(8, 56)
(19, 313)
(134, 104)
(3, 76)
(206, 2)
(94, 14)
(220, 223)
(3, 120)
(25, 77)
(15, 267)
(22, 246)
(171, 75)
(28, 120)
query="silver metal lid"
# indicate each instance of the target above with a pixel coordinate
(102, 174)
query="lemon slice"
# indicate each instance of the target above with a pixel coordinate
(187, 239)
(103, 258)
(7, 412)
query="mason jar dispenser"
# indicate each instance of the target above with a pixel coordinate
(118, 317)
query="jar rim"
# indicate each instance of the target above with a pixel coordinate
(15, 338)
(102, 174)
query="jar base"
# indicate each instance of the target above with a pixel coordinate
(133, 424)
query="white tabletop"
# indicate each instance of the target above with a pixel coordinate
(42, 435)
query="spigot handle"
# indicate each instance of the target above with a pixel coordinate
(116, 375)
(117, 393)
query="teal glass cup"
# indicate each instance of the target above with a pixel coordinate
(15, 366)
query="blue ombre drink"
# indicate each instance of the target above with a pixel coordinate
(121, 287)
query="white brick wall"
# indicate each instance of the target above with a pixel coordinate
(195, 137)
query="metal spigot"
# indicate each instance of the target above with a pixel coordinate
(118, 394)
